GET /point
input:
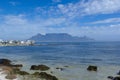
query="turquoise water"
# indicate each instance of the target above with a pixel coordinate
(83, 52)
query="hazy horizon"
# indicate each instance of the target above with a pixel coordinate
(97, 19)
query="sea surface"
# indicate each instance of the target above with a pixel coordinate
(77, 55)
(82, 52)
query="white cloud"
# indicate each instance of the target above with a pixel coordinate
(102, 6)
(90, 7)
(14, 19)
(22, 26)
(106, 21)
(52, 21)
(19, 25)
(29, 28)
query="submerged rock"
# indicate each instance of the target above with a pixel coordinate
(92, 68)
(46, 76)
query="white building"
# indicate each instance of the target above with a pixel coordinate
(1, 40)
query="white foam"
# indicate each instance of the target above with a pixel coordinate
(2, 76)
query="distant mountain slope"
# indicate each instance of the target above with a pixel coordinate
(59, 37)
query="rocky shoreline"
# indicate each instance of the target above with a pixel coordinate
(14, 71)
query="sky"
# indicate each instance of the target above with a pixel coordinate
(98, 19)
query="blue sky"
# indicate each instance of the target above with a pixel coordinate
(98, 19)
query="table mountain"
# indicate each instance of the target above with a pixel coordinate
(59, 37)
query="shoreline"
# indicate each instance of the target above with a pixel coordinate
(64, 71)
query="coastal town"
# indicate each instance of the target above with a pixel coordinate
(16, 42)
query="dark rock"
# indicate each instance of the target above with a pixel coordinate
(34, 67)
(46, 76)
(51, 72)
(61, 69)
(5, 61)
(39, 67)
(110, 77)
(36, 73)
(23, 73)
(118, 73)
(17, 65)
(43, 67)
(116, 78)
(92, 68)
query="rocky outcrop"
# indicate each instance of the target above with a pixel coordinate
(5, 62)
(17, 65)
(46, 76)
(92, 68)
(23, 73)
(12, 70)
(39, 67)
(43, 67)
(110, 77)
(116, 78)
(34, 67)
(60, 69)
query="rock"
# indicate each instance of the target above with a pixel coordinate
(110, 77)
(60, 69)
(11, 77)
(16, 70)
(118, 73)
(39, 67)
(46, 76)
(36, 73)
(23, 73)
(17, 65)
(66, 66)
(51, 72)
(92, 68)
(43, 67)
(34, 67)
(5, 61)
(116, 78)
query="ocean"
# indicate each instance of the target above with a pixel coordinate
(82, 52)
(78, 55)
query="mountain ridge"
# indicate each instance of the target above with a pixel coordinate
(59, 37)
